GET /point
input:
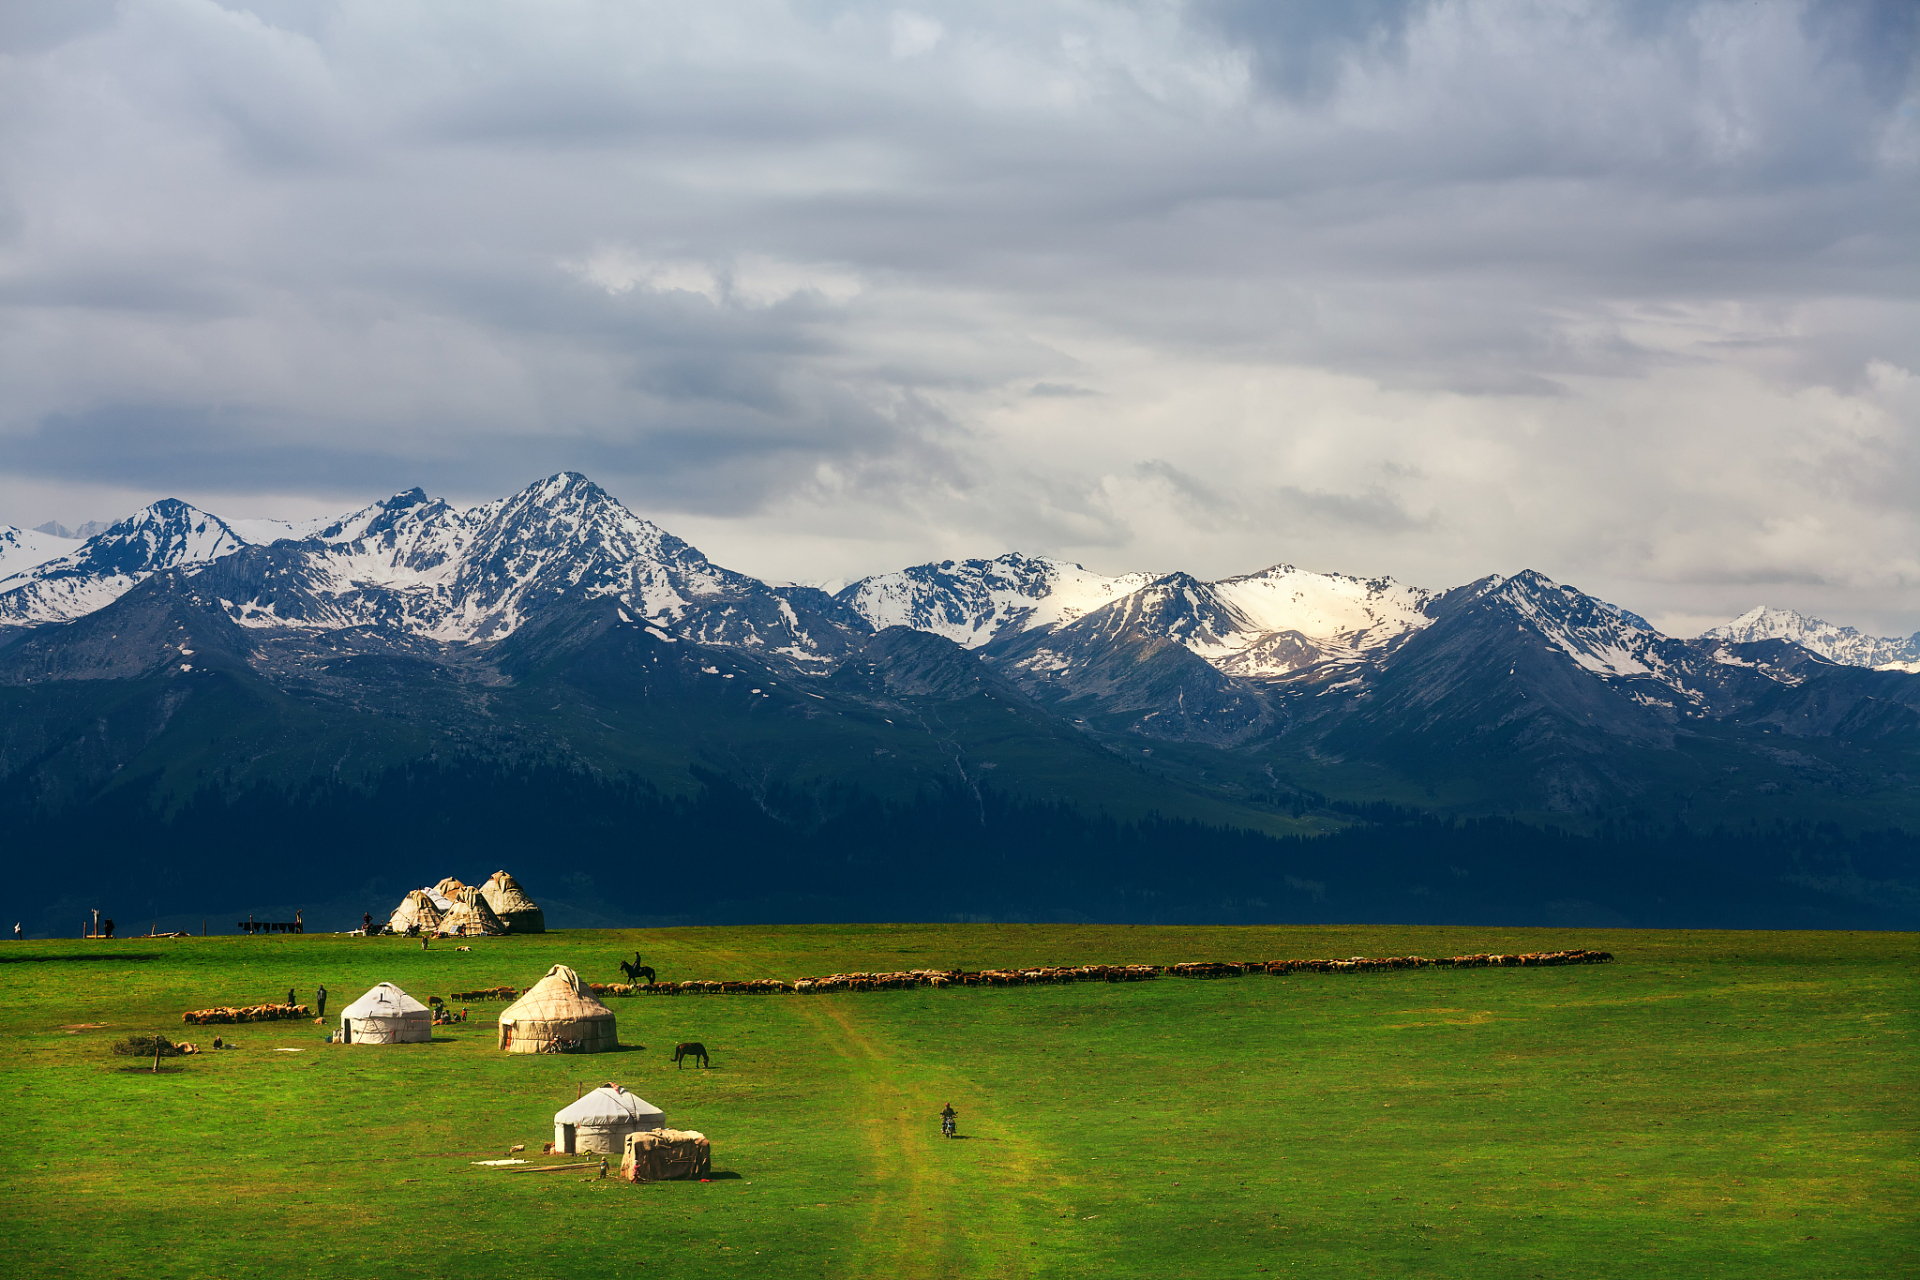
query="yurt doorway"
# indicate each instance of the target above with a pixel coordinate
(567, 1132)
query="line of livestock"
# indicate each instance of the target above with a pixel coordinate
(1052, 975)
(247, 1013)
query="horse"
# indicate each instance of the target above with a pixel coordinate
(690, 1050)
(635, 972)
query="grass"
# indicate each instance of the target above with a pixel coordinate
(1713, 1104)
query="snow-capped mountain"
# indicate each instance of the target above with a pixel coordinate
(418, 566)
(169, 534)
(22, 549)
(1844, 645)
(970, 602)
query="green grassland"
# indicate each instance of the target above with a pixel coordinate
(1713, 1104)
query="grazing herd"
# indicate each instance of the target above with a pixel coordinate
(1050, 975)
(250, 1013)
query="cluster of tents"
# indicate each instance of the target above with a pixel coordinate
(451, 909)
(558, 1014)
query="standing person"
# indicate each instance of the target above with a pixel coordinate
(16, 931)
(109, 926)
(289, 997)
(320, 999)
(366, 924)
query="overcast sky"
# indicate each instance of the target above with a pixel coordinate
(1623, 292)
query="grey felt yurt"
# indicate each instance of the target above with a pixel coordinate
(416, 910)
(557, 1016)
(386, 1015)
(471, 917)
(518, 912)
(601, 1121)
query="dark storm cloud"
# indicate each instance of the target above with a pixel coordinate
(1626, 288)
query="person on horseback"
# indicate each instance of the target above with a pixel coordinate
(947, 1117)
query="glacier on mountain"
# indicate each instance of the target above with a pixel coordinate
(22, 549)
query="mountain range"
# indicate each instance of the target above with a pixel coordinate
(176, 660)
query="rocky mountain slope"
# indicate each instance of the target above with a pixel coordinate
(1839, 644)
(412, 626)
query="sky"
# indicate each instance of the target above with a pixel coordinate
(1627, 293)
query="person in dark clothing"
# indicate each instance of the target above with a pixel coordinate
(367, 922)
(289, 995)
(320, 1000)
(109, 931)
(948, 1118)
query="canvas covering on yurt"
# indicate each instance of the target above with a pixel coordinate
(471, 917)
(415, 910)
(510, 902)
(601, 1121)
(448, 888)
(386, 1015)
(556, 1009)
(666, 1155)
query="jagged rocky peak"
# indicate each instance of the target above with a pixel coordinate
(1845, 645)
(971, 601)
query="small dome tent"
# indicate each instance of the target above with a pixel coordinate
(518, 912)
(554, 1014)
(386, 1015)
(601, 1121)
(471, 917)
(415, 909)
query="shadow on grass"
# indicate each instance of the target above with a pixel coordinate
(149, 1071)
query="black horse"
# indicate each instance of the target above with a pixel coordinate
(635, 972)
(690, 1050)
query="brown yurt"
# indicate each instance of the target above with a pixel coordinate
(556, 1016)
(415, 909)
(471, 917)
(449, 888)
(510, 902)
(666, 1155)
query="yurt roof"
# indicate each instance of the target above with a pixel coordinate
(556, 998)
(441, 902)
(504, 894)
(449, 887)
(607, 1103)
(384, 1001)
(419, 906)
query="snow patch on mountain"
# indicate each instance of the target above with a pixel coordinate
(22, 549)
(1844, 645)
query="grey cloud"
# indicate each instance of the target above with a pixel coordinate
(280, 244)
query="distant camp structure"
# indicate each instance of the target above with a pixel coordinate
(417, 912)
(666, 1155)
(386, 1015)
(601, 1120)
(470, 917)
(556, 1016)
(455, 910)
(518, 912)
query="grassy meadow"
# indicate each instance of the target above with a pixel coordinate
(1712, 1104)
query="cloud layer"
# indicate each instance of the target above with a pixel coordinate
(1625, 292)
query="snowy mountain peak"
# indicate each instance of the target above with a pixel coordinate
(167, 534)
(1845, 645)
(971, 601)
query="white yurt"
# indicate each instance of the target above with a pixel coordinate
(557, 1015)
(386, 1015)
(601, 1121)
